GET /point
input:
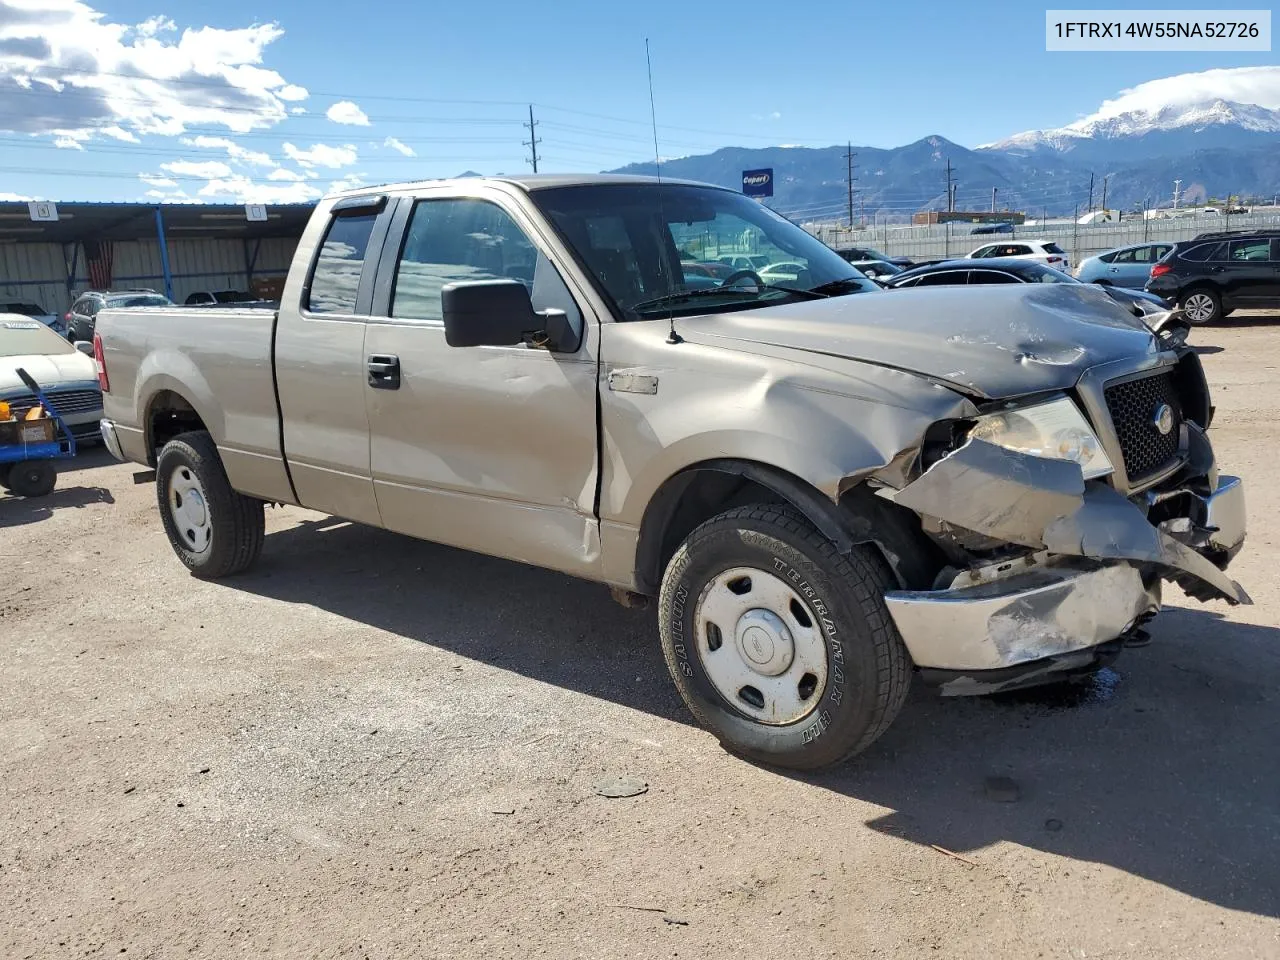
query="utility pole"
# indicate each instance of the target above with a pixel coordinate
(1104, 192)
(1091, 193)
(848, 156)
(951, 190)
(993, 198)
(1075, 235)
(862, 211)
(1177, 189)
(533, 141)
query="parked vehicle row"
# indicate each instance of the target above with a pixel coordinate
(67, 376)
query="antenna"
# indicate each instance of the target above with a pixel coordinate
(672, 337)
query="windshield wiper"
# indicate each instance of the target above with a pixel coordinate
(834, 288)
(676, 296)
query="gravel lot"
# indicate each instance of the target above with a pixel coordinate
(375, 747)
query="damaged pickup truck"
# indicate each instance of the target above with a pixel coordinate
(827, 488)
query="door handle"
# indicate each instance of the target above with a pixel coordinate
(384, 371)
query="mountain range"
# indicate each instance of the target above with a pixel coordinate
(1216, 147)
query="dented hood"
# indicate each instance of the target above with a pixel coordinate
(991, 341)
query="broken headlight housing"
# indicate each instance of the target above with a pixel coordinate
(1056, 430)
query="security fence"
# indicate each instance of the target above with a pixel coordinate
(942, 241)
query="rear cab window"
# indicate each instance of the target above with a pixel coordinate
(335, 279)
(1054, 248)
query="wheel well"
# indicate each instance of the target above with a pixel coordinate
(699, 493)
(168, 416)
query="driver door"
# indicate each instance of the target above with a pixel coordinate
(488, 448)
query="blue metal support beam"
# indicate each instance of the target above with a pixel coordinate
(164, 254)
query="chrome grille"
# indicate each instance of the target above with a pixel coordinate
(68, 402)
(1133, 406)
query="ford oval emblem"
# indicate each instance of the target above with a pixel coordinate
(1162, 419)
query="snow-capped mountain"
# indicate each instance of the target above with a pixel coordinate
(1150, 133)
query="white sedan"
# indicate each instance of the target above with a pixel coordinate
(68, 378)
(1044, 251)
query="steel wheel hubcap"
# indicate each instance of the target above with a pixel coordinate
(189, 509)
(1199, 307)
(761, 646)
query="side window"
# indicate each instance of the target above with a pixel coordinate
(453, 241)
(1202, 252)
(336, 278)
(90, 307)
(943, 278)
(1250, 249)
(1131, 256)
(1021, 251)
(982, 252)
(985, 277)
(1275, 251)
(1160, 253)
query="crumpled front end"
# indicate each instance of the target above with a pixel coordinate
(1073, 566)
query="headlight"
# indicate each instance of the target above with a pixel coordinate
(1055, 430)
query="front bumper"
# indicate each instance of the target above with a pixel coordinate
(1097, 568)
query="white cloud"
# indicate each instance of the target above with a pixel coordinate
(156, 180)
(346, 112)
(395, 144)
(297, 111)
(234, 150)
(67, 69)
(119, 133)
(14, 198)
(291, 91)
(347, 183)
(204, 169)
(1257, 85)
(280, 173)
(68, 143)
(323, 155)
(243, 190)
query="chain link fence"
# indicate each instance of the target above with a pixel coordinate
(943, 241)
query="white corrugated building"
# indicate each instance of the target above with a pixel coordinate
(175, 249)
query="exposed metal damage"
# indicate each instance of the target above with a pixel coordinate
(1090, 571)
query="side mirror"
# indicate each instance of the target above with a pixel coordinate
(85, 347)
(499, 313)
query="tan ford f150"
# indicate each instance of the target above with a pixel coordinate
(827, 487)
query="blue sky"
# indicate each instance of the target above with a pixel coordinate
(317, 98)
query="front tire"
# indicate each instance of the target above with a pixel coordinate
(214, 530)
(780, 645)
(1201, 306)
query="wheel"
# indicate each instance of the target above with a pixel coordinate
(1201, 306)
(32, 478)
(214, 531)
(779, 645)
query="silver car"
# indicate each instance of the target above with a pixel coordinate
(1124, 266)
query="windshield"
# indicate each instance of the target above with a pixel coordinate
(631, 239)
(140, 300)
(23, 337)
(26, 309)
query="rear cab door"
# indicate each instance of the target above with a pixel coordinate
(490, 448)
(320, 359)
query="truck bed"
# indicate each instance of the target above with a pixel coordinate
(221, 359)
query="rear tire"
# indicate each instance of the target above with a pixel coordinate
(1201, 306)
(779, 644)
(32, 478)
(215, 531)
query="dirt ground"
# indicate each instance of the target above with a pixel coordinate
(375, 747)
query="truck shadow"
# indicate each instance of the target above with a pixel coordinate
(1164, 767)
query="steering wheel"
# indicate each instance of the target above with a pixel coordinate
(737, 275)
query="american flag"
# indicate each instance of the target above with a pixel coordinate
(97, 254)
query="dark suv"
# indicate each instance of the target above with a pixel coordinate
(1219, 272)
(81, 318)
